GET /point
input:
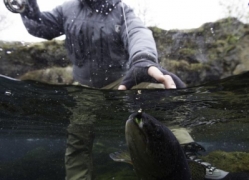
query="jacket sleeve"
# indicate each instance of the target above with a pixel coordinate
(137, 38)
(47, 25)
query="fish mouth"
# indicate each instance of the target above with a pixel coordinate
(134, 128)
(132, 121)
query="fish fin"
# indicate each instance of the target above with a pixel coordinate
(123, 156)
(198, 171)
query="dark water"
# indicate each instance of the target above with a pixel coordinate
(34, 118)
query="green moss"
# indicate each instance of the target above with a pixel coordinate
(221, 42)
(229, 161)
(55, 75)
(182, 65)
(212, 56)
(197, 67)
(187, 51)
(156, 30)
(174, 65)
(231, 39)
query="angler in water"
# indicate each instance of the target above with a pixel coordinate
(109, 47)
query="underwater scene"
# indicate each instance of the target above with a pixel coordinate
(34, 118)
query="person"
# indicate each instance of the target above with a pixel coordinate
(109, 47)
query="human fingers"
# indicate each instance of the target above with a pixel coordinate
(166, 80)
(122, 87)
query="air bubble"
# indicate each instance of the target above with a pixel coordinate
(8, 93)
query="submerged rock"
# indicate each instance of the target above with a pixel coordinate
(229, 161)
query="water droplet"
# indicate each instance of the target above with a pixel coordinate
(97, 10)
(8, 52)
(106, 78)
(1, 49)
(8, 93)
(110, 9)
(212, 30)
(110, 65)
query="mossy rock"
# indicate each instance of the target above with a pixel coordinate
(18, 58)
(229, 161)
(55, 75)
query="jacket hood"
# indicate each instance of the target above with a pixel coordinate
(101, 6)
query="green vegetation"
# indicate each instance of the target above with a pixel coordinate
(229, 161)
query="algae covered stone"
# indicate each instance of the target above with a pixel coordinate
(229, 161)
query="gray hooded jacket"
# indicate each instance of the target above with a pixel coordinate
(96, 38)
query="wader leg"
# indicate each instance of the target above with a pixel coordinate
(78, 157)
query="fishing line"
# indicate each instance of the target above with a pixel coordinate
(125, 20)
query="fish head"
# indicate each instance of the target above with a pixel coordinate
(152, 146)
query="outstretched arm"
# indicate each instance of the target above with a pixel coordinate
(143, 60)
(154, 72)
(147, 71)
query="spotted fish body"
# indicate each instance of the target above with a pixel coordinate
(155, 152)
